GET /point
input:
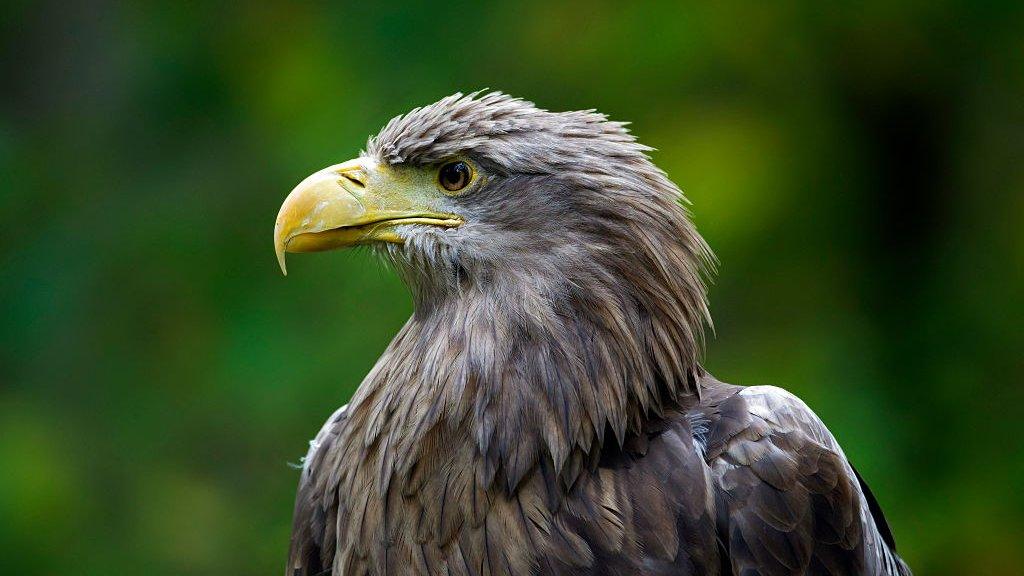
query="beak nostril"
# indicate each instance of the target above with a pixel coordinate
(348, 176)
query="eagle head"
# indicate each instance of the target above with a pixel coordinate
(489, 190)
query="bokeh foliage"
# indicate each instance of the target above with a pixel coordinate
(859, 169)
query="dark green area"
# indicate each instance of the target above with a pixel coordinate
(859, 171)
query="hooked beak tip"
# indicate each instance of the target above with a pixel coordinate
(280, 246)
(280, 262)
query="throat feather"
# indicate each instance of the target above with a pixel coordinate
(503, 393)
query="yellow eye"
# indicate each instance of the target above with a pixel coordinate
(455, 176)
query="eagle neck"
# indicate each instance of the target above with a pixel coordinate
(535, 376)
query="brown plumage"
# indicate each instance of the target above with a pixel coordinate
(544, 410)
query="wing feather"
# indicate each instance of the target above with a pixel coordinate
(792, 502)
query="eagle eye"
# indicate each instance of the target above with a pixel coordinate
(455, 176)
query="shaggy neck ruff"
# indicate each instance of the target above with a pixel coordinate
(530, 365)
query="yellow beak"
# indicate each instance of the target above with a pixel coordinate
(357, 202)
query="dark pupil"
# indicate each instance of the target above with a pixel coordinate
(455, 176)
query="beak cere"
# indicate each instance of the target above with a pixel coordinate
(357, 202)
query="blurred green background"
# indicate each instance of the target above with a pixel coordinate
(859, 169)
